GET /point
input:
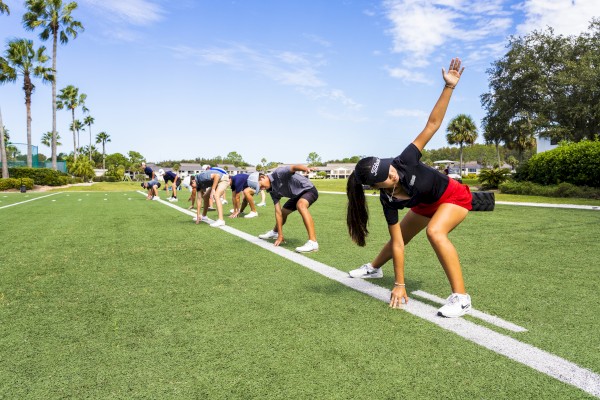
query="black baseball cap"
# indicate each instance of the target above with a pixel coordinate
(372, 170)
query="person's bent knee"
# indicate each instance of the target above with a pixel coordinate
(436, 235)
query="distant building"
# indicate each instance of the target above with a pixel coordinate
(545, 144)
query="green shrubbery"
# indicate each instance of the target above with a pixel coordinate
(41, 176)
(491, 178)
(105, 179)
(561, 190)
(576, 163)
(14, 183)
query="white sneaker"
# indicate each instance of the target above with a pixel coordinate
(156, 198)
(269, 235)
(456, 305)
(231, 211)
(218, 223)
(261, 204)
(308, 247)
(251, 214)
(203, 219)
(223, 201)
(366, 271)
(172, 199)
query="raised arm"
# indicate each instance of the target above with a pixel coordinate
(300, 167)
(436, 117)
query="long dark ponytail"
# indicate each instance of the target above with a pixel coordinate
(357, 215)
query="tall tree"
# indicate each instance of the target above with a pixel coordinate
(235, 158)
(70, 98)
(47, 139)
(461, 130)
(3, 143)
(4, 8)
(55, 21)
(313, 159)
(23, 60)
(89, 120)
(103, 137)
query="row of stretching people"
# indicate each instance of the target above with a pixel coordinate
(436, 203)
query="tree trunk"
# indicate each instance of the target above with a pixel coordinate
(103, 155)
(461, 158)
(3, 150)
(90, 128)
(498, 154)
(28, 87)
(54, 45)
(74, 136)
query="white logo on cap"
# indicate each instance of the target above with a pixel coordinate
(375, 167)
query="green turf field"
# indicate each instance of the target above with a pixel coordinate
(108, 295)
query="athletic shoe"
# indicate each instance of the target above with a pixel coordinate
(308, 247)
(223, 201)
(218, 223)
(251, 214)
(212, 209)
(456, 305)
(261, 204)
(366, 271)
(269, 235)
(231, 211)
(172, 199)
(203, 219)
(156, 198)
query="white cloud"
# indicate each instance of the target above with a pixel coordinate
(402, 112)
(566, 17)
(135, 12)
(298, 70)
(408, 75)
(420, 28)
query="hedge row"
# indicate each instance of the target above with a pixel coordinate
(105, 179)
(41, 176)
(14, 183)
(561, 190)
(576, 163)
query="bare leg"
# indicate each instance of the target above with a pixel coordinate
(446, 218)
(309, 223)
(410, 226)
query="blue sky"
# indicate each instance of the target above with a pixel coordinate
(274, 79)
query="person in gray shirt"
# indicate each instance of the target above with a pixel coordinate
(285, 182)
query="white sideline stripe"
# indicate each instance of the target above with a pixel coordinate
(27, 201)
(492, 319)
(514, 203)
(540, 360)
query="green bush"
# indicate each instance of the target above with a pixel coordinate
(14, 183)
(40, 176)
(561, 190)
(105, 179)
(576, 163)
(491, 178)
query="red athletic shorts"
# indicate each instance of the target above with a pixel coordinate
(456, 193)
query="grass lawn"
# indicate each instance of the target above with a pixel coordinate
(107, 295)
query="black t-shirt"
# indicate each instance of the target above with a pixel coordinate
(169, 176)
(423, 184)
(148, 171)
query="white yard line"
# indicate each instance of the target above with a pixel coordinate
(27, 201)
(540, 360)
(492, 319)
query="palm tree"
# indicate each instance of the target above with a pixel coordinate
(70, 98)
(22, 59)
(89, 120)
(47, 139)
(3, 158)
(55, 20)
(4, 8)
(103, 137)
(461, 130)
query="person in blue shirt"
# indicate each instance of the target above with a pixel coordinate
(209, 182)
(285, 182)
(175, 181)
(152, 187)
(248, 186)
(149, 171)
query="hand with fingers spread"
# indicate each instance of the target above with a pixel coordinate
(454, 72)
(398, 293)
(279, 240)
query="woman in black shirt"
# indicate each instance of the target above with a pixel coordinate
(437, 203)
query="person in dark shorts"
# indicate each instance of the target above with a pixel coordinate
(149, 171)
(285, 182)
(175, 181)
(248, 186)
(152, 187)
(207, 183)
(436, 202)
